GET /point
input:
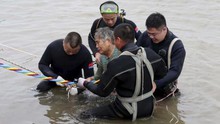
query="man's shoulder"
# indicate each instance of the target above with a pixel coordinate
(56, 42)
(84, 50)
(120, 59)
(95, 25)
(121, 63)
(151, 54)
(96, 21)
(144, 40)
(178, 42)
(149, 50)
(129, 22)
(144, 35)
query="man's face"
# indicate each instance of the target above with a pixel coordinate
(157, 35)
(69, 50)
(110, 19)
(103, 46)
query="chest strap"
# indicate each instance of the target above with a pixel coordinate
(170, 50)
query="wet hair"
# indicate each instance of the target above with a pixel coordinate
(74, 39)
(105, 34)
(109, 7)
(156, 20)
(125, 31)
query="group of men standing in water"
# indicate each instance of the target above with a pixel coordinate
(138, 72)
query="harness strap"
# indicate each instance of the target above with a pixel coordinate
(138, 76)
(138, 98)
(168, 65)
(148, 64)
(170, 50)
(132, 109)
(139, 59)
(97, 25)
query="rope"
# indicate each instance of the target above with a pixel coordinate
(32, 73)
(27, 71)
(19, 50)
(172, 93)
(35, 75)
(15, 64)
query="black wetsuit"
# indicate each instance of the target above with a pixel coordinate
(98, 23)
(121, 76)
(55, 62)
(177, 59)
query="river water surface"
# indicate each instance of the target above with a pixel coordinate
(28, 26)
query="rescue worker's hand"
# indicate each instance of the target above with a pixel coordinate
(81, 82)
(60, 79)
(72, 90)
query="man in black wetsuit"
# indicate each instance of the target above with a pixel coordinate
(160, 39)
(65, 59)
(131, 75)
(110, 18)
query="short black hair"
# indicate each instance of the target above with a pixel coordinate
(156, 20)
(125, 31)
(74, 39)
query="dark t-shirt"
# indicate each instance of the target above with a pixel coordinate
(55, 62)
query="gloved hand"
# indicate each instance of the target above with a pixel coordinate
(60, 79)
(80, 83)
(72, 91)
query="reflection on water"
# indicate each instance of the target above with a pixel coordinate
(62, 109)
(67, 109)
(167, 112)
